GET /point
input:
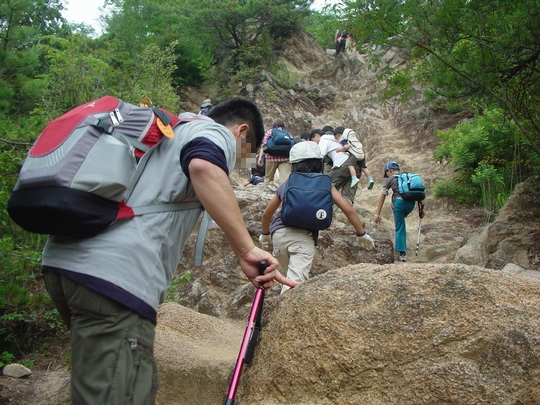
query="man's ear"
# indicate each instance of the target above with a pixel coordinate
(240, 131)
(243, 130)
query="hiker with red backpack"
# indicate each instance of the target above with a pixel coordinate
(107, 287)
(306, 200)
(402, 204)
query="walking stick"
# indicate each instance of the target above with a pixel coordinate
(418, 238)
(251, 336)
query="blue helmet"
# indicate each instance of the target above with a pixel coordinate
(388, 166)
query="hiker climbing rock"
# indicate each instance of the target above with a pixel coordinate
(402, 205)
(275, 147)
(346, 136)
(206, 107)
(294, 243)
(107, 288)
(340, 160)
(341, 41)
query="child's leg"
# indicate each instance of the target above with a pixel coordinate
(366, 172)
(354, 179)
(351, 165)
(297, 248)
(280, 251)
(364, 169)
(402, 208)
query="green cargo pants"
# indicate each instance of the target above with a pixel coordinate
(112, 360)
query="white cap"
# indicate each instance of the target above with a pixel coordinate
(305, 150)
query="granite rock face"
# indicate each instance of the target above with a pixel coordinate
(512, 238)
(427, 334)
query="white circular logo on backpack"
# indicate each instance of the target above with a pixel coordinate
(321, 214)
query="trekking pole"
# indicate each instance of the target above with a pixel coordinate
(251, 336)
(418, 238)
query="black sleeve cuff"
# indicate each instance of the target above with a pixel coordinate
(202, 148)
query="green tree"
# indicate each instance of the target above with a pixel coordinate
(22, 25)
(489, 157)
(74, 74)
(134, 24)
(245, 32)
(154, 78)
(483, 50)
(322, 25)
(480, 53)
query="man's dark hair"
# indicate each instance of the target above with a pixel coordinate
(339, 130)
(308, 166)
(314, 132)
(327, 129)
(279, 124)
(239, 111)
(304, 136)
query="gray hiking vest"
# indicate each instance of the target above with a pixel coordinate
(140, 255)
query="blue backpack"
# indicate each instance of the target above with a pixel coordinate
(411, 186)
(279, 143)
(307, 201)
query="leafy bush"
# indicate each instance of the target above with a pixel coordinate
(456, 190)
(27, 315)
(490, 158)
(282, 74)
(172, 293)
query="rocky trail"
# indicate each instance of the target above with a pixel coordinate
(460, 317)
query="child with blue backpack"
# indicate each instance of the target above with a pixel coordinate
(294, 248)
(401, 208)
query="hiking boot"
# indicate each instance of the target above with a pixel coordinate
(371, 184)
(354, 181)
(402, 258)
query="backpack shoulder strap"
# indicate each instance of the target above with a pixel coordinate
(201, 237)
(144, 159)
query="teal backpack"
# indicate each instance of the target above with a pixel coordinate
(411, 186)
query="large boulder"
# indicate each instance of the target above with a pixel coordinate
(512, 238)
(420, 334)
(195, 353)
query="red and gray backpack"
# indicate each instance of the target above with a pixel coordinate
(79, 174)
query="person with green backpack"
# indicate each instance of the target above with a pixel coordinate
(402, 206)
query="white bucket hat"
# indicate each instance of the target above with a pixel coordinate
(305, 150)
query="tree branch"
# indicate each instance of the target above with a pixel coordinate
(15, 142)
